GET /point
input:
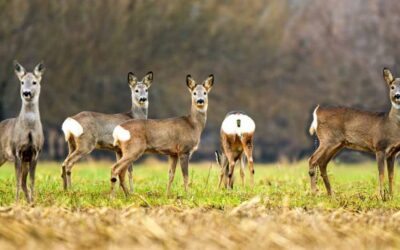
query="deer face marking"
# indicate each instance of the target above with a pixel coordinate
(200, 92)
(139, 89)
(394, 88)
(30, 82)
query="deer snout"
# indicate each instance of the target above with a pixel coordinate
(142, 99)
(200, 101)
(397, 96)
(27, 94)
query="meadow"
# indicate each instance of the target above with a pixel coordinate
(278, 213)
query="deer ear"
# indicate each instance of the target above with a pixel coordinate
(19, 70)
(387, 75)
(190, 82)
(39, 69)
(132, 79)
(218, 157)
(148, 79)
(209, 82)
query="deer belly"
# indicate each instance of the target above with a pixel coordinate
(359, 146)
(105, 141)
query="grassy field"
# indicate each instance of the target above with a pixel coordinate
(278, 213)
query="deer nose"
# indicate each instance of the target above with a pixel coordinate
(200, 101)
(397, 96)
(27, 93)
(142, 99)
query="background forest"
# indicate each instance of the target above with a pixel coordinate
(275, 60)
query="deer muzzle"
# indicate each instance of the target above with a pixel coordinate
(142, 100)
(27, 94)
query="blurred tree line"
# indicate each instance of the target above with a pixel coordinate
(275, 60)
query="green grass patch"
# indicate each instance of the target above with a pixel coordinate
(279, 185)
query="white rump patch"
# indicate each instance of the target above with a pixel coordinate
(71, 127)
(238, 124)
(314, 124)
(120, 135)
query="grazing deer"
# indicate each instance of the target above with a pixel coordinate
(176, 137)
(21, 138)
(236, 136)
(378, 133)
(89, 130)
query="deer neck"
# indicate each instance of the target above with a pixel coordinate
(29, 115)
(139, 112)
(198, 117)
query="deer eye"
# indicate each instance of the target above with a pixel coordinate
(34, 83)
(146, 90)
(392, 87)
(194, 93)
(205, 93)
(137, 91)
(22, 83)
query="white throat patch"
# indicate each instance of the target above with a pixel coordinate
(395, 105)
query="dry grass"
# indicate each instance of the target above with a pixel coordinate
(279, 213)
(251, 225)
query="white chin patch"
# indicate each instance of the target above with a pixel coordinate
(120, 135)
(238, 124)
(71, 127)
(395, 105)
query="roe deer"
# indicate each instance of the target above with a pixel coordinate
(21, 138)
(236, 137)
(176, 137)
(378, 133)
(89, 130)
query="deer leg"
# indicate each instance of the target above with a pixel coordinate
(231, 171)
(313, 162)
(325, 178)
(118, 165)
(24, 178)
(221, 177)
(184, 161)
(121, 165)
(390, 167)
(321, 158)
(171, 172)
(18, 177)
(73, 158)
(71, 149)
(130, 169)
(326, 158)
(242, 166)
(380, 158)
(121, 176)
(248, 150)
(32, 172)
(130, 177)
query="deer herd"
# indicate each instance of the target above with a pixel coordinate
(132, 134)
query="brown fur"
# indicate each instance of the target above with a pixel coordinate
(234, 148)
(176, 137)
(98, 128)
(340, 128)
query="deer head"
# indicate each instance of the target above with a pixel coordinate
(394, 88)
(200, 92)
(30, 81)
(139, 89)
